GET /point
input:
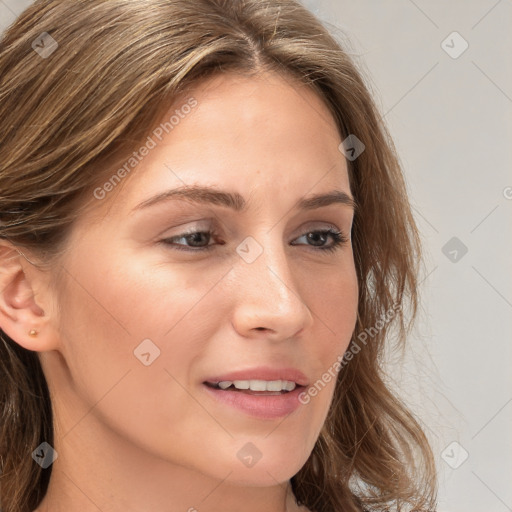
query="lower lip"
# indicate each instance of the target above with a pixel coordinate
(260, 406)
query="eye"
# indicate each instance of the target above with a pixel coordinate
(318, 238)
(198, 241)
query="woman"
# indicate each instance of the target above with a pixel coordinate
(205, 240)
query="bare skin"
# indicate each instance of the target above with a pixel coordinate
(132, 437)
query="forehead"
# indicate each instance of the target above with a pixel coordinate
(258, 106)
(244, 132)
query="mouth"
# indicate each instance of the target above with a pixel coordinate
(255, 387)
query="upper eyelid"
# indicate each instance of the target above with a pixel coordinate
(214, 223)
(213, 230)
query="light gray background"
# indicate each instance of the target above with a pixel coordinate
(452, 125)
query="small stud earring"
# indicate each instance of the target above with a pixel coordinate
(33, 333)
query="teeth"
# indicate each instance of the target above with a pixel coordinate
(259, 385)
(288, 385)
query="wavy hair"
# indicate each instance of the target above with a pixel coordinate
(64, 116)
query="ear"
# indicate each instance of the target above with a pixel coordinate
(25, 299)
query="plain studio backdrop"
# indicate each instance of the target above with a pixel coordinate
(441, 74)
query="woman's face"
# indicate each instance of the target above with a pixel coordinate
(149, 312)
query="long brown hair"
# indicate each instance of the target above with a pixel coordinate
(95, 93)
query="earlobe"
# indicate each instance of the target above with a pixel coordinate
(21, 316)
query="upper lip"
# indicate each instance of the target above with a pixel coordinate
(262, 373)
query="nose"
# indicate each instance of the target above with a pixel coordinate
(268, 301)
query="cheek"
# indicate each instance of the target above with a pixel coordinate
(333, 299)
(105, 321)
(112, 308)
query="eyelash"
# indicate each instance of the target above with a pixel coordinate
(339, 240)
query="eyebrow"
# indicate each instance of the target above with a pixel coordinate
(236, 202)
